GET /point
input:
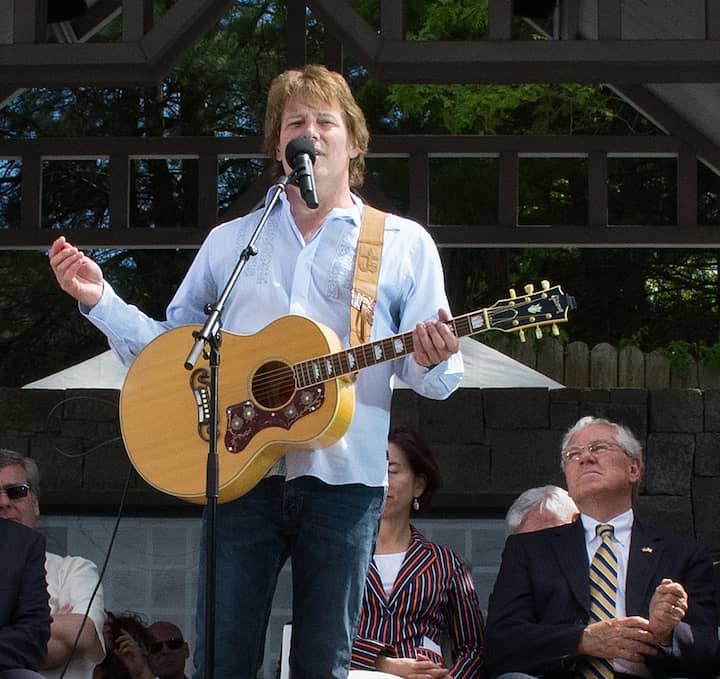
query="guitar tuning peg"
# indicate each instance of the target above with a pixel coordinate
(538, 332)
(521, 334)
(545, 284)
(513, 294)
(529, 288)
(555, 330)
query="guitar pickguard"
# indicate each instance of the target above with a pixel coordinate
(246, 419)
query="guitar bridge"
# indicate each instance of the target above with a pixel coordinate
(246, 419)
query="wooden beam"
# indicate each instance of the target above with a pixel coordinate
(392, 19)
(500, 16)
(29, 21)
(137, 18)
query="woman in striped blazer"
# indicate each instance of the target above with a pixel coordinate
(420, 611)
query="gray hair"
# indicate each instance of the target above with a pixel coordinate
(623, 437)
(9, 458)
(552, 499)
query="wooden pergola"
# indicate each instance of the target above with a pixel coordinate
(666, 64)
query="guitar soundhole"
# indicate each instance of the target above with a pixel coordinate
(273, 385)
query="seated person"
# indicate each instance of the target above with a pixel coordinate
(606, 595)
(541, 507)
(419, 595)
(71, 584)
(168, 651)
(138, 652)
(24, 612)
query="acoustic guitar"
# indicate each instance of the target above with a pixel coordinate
(288, 386)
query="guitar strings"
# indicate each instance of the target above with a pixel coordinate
(279, 379)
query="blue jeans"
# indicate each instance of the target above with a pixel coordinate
(329, 533)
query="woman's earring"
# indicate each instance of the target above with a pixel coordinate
(416, 504)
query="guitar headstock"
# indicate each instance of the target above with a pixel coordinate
(547, 306)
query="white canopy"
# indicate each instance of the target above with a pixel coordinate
(484, 367)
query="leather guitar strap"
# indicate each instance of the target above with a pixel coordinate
(367, 271)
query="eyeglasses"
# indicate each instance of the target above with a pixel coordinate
(16, 492)
(574, 453)
(171, 644)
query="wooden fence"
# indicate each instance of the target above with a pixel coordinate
(604, 367)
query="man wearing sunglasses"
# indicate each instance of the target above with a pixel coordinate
(71, 580)
(168, 652)
(604, 597)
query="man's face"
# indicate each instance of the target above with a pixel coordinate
(168, 651)
(598, 469)
(325, 126)
(23, 510)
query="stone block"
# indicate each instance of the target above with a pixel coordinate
(106, 468)
(166, 585)
(516, 408)
(521, 459)
(707, 454)
(712, 409)
(629, 396)
(458, 418)
(405, 409)
(453, 537)
(563, 414)
(667, 512)
(488, 539)
(669, 464)
(60, 462)
(27, 410)
(97, 405)
(706, 511)
(678, 410)
(464, 468)
(17, 442)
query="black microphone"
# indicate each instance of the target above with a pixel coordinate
(300, 155)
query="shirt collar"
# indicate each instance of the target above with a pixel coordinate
(622, 526)
(351, 214)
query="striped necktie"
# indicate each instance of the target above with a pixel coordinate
(603, 590)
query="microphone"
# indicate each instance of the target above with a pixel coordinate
(300, 155)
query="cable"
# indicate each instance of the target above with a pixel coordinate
(86, 615)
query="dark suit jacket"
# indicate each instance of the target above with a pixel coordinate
(541, 601)
(24, 612)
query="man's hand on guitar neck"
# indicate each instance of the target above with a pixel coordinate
(77, 274)
(434, 341)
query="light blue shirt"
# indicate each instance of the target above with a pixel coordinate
(290, 276)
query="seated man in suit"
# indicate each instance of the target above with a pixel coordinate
(24, 611)
(541, 507)
(71, 581)
(604, 596)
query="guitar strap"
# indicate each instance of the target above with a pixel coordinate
(367, 270)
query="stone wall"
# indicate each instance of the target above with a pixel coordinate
(491, 445)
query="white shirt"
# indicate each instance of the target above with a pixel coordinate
(290, 276)
(622, 532)
(71, 580)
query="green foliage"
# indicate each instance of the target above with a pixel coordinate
(667, 298)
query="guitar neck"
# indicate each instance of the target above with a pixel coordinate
(535, 309)
(348, 361)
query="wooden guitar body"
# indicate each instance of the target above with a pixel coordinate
(287, 386)
(164, 408)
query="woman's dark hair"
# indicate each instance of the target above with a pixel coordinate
(421, 461)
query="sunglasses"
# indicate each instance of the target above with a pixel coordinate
(16, 492)
(171, 644)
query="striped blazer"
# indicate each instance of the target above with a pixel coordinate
(433, 596)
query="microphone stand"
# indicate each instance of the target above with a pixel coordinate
(210, 335)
